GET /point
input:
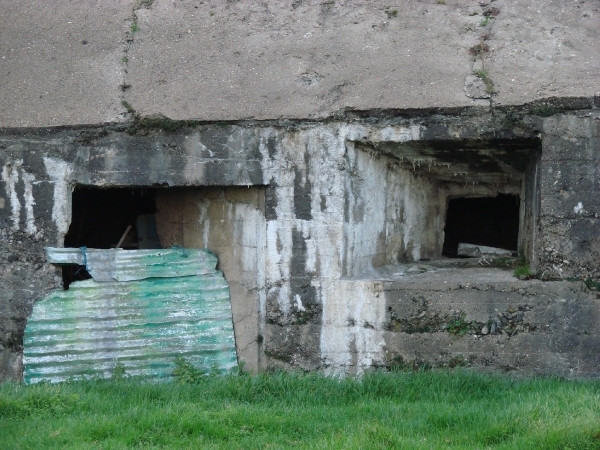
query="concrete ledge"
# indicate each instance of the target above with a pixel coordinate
(483, 318)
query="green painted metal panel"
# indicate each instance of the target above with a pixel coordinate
(128, 265)
(142, 324)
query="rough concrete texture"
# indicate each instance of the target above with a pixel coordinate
(343, 199)
(60, 61)
(422, 315)
(231, 222)
(537, 49)
(570, 197)
(66, 63)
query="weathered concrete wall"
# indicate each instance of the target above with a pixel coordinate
(31, 192)
(570, 197)
(65, 69)
(391, 215)
(231, 222)
(532, 327)
(529, 231)
(217, 60)
(474, 317)
(326, 185)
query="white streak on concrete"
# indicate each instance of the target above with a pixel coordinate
(415, 132)
(10, 176)
(204, 220)
(366, 193)
(60, 172)
(299, 304)
(393, 134)
(352, 332)
(310, 265)
(248, 223)
(29, 179)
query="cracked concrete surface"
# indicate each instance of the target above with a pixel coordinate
(62, 62)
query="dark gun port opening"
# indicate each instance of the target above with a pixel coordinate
(105, 218)
(489, 221)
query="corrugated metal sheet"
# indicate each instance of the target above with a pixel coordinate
(128, 265)
(141, 324)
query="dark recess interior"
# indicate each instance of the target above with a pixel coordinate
(99, 219)
(491, 221)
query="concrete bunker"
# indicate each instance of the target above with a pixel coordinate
(335, 253)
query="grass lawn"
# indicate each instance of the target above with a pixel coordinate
(422, 410)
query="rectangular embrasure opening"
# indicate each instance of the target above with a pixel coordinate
(427, 197)
(488, 221)
(106, 217)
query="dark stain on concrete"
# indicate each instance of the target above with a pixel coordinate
(309, 309)
(303, 192)
(272, 147)
(271, 201)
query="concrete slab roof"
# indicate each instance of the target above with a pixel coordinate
(60, 61)
(77, 62)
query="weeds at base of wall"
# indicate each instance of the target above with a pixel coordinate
(502, 262)
(458, 326)
(523, 272)
(399, 364)
(186, 373)
(119, 372)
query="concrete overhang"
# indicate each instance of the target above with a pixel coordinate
(493, 162)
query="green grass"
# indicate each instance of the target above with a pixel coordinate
(384, 410)
(522, 271)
